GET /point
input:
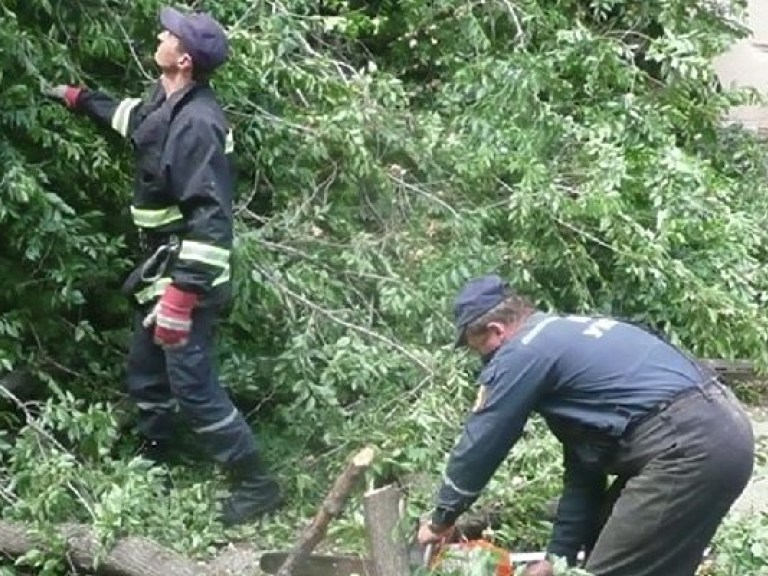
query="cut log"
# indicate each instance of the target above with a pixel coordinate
(132, 556)
(330, 508)
(386, 540)
(239, 559)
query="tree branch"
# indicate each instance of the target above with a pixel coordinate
(354, 327)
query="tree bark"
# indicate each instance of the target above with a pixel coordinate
(138, 556)
(131, 556)
(330, 508)
(386, 540)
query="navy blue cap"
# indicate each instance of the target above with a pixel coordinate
(203, 37)
(477, 297)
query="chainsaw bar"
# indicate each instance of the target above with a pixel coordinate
(350, 565)
(318, 565)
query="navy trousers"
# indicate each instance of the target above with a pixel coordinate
(162, 381)
(679, 473)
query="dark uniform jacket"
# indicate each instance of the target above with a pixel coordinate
(590, 379)
(183, 189)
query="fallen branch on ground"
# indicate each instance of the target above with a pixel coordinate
(330, 508)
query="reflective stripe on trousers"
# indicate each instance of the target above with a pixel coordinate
(157, 379)
(163, 406)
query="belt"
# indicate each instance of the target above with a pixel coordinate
(149, 242)
(636, 422)
(155, 265)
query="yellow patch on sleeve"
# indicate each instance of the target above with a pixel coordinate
(482, 396)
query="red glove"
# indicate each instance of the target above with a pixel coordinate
(67, 94)
(70, 96)
(173, 317)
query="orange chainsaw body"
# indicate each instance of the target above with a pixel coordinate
(457, 555)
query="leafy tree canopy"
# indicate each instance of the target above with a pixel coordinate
(387, 151)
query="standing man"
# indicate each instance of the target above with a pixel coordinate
(182, 206)
(622, 402)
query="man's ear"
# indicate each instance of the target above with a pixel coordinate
(184, 62)
(496, 328)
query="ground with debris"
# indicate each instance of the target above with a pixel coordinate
(755, 497)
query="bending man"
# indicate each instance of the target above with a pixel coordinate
(622, 402)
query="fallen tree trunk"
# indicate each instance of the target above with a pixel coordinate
(330, 508)
(131, 556)
(139, 556)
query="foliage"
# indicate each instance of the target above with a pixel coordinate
(743, 546)
(387, 151)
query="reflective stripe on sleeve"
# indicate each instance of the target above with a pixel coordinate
(223, 277)
(158, 287)
(122, 117)
(153, 290)
(451, 484)
(206, 253)
(229, 143)
(145, 218)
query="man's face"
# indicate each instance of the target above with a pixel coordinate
(170, 54)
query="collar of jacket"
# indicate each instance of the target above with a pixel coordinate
(178, 98)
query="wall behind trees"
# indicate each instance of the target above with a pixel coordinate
(745, 64)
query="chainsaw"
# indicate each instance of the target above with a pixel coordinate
(467, 557)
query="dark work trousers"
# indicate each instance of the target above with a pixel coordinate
(679, 473)
(161, 380)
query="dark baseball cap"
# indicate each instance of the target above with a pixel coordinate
(203, 37)
(477, 297)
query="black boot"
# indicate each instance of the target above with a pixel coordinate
(175, 451)
(253, 492)
(157, 451)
